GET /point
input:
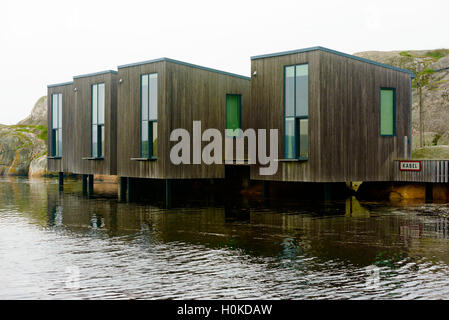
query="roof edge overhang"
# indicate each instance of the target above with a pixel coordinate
(60, 84)
(184, 64)
(284, 53)
(95, 74)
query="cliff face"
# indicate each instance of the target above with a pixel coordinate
(435, 93)
(23, 147)
(38, 115)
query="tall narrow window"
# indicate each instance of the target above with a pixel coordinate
(148, 134)
(387, 112)
(56, 125)
(98, 133)
(296, 106)
(233, 113)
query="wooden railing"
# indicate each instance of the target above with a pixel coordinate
(431, 171)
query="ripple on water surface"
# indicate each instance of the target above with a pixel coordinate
(60, 245)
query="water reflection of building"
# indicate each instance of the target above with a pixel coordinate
(275, 231)
(355, 209)
(410, 231)
(75, 211)
(436, 228)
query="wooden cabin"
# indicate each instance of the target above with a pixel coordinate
(340, 117)
(82, 126)
(94, 124)
(59, 106)
(157, 96)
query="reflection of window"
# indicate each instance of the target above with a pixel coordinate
(148, 133)
(56, 125)
(387, 112)
(98, 101)
(296, 105)
(233, 112)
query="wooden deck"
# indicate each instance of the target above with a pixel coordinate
(436, 171)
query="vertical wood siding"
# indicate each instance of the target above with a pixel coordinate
(185, 94)
(344, 117)
(82, 122)
(436, 171)
(76, 127)
(60, 165)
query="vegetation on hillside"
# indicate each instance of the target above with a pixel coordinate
(430, 110)
(39, 130)
(431, 152)
(23, 146)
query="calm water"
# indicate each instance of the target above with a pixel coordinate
(61, 245)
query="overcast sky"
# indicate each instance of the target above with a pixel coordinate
(44, 42)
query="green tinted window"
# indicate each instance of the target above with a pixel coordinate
(387, 112)
(303, 138)
(56, 126)
(97, 131)
(148, 123)
(302, 90)
(290, 138)
(296, 107)
(233, 111)
(289, 91)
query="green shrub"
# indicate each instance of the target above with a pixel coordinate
(43, 134)
(437, 54)
(436, 137)
(405, 54)
(431, 152)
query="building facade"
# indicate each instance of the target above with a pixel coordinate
(340, 117)
(155, 97)
(59, 143)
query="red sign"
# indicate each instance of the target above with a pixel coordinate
(410, 165)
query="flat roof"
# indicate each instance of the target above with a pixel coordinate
(60, 84)
(95, 74)
(185, 64)
(284, 53)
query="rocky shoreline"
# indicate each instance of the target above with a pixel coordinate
(23, 147)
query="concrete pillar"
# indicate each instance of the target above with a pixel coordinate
(123, 186)
(130, 189)
(429, 192)
(61, 180)
(168, 195)
(91, 184)
(327, 191)
(245, 182)
(84, 183)
(212, 191)
(265, 189)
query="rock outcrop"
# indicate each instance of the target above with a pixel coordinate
(441, 64)
(38, 167)
(23, 147)
(38, 115)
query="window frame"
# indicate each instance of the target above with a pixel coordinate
(55, 132)
(296, 119)
(394, 112)
(150, 123)
(99, 126)
(240, 113)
